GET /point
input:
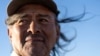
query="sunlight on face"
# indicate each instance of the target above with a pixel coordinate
(35, 32)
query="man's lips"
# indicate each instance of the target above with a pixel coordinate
(34, 39)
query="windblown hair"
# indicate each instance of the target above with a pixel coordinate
(55, 51)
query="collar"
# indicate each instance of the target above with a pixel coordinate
(14, 54)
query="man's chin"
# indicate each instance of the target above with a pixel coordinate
(34, 53)
(36, 49)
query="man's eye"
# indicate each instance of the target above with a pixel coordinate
(23, 21)
(43, 20)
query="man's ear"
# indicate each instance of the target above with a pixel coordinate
(9, 33)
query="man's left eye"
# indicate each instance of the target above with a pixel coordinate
(43, 20)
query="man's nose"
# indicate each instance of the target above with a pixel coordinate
(34, 28)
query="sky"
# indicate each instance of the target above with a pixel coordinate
(87, 41)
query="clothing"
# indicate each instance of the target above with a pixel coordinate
(14, 54)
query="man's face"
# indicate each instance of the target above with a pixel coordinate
(35, 32)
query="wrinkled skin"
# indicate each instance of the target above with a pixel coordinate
(35, 33)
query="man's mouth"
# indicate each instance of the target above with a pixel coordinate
(34, 39)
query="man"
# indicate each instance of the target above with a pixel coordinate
(32, 27)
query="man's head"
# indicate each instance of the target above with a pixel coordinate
(32, 27)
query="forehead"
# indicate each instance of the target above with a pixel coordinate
(33, 8)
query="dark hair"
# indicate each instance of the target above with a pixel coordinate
(55, 50)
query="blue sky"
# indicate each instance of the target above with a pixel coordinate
(87, 42)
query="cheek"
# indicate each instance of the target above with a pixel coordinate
(16, 36)
(15, 33)
(18, 32)
(51, 34)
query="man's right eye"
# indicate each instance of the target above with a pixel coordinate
(23, 21)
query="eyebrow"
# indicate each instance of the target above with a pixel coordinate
(43, 15)
(23, 15)
(39, 15)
